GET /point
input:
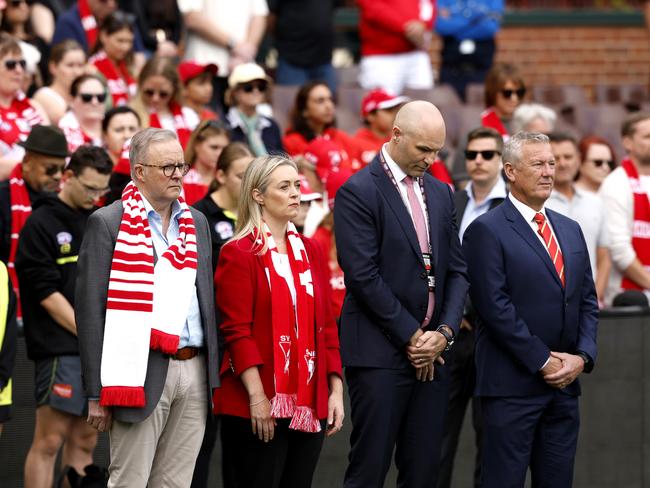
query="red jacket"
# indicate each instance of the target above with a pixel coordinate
(381, 27)
(296, 145)
(244, 302)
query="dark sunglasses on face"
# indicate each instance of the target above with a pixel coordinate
(16, 3)
(486, 155)
(599, 162)
(11, 64)
(161, 93)
(249, 87)
(520, 92)
(88, 97)
(53, 169)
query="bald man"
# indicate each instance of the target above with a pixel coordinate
(406, 282)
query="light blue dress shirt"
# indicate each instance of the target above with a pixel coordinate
(473, 211)
(192, 334)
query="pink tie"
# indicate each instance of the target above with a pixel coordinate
(421, 231)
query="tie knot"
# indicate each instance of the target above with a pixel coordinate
(539, 218)
(409, 181)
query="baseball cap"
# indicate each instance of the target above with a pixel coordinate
(191, 69)
(243, 73)
(306, 193)
(334, 182)
(327, 156)
(380, 99)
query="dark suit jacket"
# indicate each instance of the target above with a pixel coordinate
(524, 311)
(387, 291)
(94, 268)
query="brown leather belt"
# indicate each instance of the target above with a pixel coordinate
(185, 353)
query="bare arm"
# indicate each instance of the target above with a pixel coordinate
(205, 28)
(603, 267)
(262, 423)
(637, 273)
(61, 311)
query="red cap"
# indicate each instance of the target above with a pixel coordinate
(306, 193)
(191, 69)
(380, 99)
(327, 156)
(334, 182)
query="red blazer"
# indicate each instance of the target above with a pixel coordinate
(244, 302)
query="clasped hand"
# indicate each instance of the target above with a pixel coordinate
(423, 351)
(562, 369)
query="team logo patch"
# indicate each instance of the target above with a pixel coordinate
(64, 391)
(225, 230)
(63, 238)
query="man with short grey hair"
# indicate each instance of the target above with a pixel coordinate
(146, 320)
(534, 295)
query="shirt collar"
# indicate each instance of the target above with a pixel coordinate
(527, 212)
(497, 191)
(176, 208)
(398, 173)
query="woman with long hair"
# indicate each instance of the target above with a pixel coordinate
(82, 124)
(202, 153)
(597, 162)
(504, 92)
(281, 387)
(113, 56)
(67, 62)
(157, 101)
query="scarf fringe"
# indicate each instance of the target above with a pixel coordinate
(304, 419)
(122, 396)
(283, 405)
(161, 341)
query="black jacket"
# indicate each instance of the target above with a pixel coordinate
(222, 226)
(46, 262)
(8, 345)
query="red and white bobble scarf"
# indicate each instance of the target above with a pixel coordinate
(74, 134)
(641, 227)
(147, 305)
(21, 208)
(489, 118)
(183, 130)
(294, 336)
(88, 23)
(121, 84)
(16, 122)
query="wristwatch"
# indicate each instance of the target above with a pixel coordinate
(445, 333)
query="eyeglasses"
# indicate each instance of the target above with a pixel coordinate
(170, 169)
(161, 93)
(486, 155)
(53, 169)
(88, 97)
(12, 64)
(599, 162)
(520, 92)
(260, 86)
(17, 3)
(92, 191)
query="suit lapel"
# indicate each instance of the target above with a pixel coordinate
(395, 202)
(433, 210)
(522, 228)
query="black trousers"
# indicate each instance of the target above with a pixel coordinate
(202, 466)
(459, 70)
(288, 461)
(461, 392)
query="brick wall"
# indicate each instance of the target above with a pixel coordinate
(584, 56)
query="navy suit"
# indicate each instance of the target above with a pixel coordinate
(385, 304)
(524, 312)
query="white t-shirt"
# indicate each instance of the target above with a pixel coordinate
(232, 17)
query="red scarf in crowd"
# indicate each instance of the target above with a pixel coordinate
(294, 336)
(17, 120)
(147, 304)
(120, 83)
(641, 227)
(21, 208)
(88, 23)
(489, 118)
(183, 131)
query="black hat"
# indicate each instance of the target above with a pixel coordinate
(47, 140)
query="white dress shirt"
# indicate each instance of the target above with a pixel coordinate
(529, 216)
(474, 210)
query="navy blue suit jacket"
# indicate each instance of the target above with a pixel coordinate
(524, 311)
(387, 290)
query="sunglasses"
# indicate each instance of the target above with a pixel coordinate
(12, 64)
(520, 92)
(249, 87)
(88, 97)
(486, 155)
(170, 169)
(17, 3)
(53, 169)
(600, 162)
(161, 93)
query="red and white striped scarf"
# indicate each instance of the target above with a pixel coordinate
(121, 84)
(16, 122)
(294, 335)
(74, 134)
(147, 305)
(489, 118)
(21, 208)
(88, 23)
(641, 227)
(181, 127)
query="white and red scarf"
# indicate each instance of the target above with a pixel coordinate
(181, 127)
(74, 134)
(89, 23)
(294, 336)
(16, 122)
(641, 227)
(21, 208)
(489, 118)
(147, 304)
(121, 84)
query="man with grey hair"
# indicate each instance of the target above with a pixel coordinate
(534, 294)
(533, 117)
(144, 308)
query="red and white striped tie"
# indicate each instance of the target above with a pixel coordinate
(544, 230)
